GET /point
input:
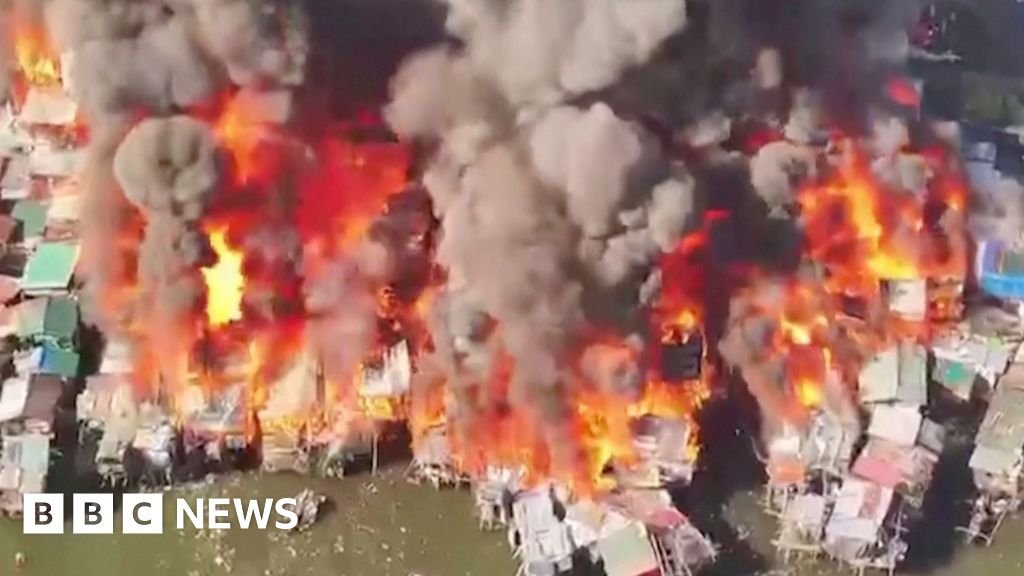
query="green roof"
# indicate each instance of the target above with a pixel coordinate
(50, 267)
(51, 318)
(32, 215)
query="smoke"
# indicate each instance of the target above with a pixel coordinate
(261, 42)
(998, 211)
(775, 363)
(545, 207)
(777, 170)
(169, 170)
(131, 55)
(540, 53)
(343, 315)
(157, 58)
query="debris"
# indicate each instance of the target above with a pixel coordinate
(308, 505)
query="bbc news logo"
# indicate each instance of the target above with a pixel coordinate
(144, 513)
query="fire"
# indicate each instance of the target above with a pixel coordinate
(36, 59)
(863, 231)
(240, 132)
(809, 393)
(902, 92)
(382, 409)
(845, 226)
(349, 187)
(225, 282)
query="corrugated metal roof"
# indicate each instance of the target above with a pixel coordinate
(50, 267)
(1003, 426)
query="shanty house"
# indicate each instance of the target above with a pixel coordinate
(493, 496)
(673, 546)
(827, 445)
(48, 161)
(133, 441)
(432, 459)
(48, 106)
(541, 537)
(384, 387)
(907, 299)
(12, 268)
(682, 360)
(680, 548)
(997, 458)
(30, 403)
(63, 216)
(283, 420)
(959, 359)
(664, 443)
(51, 359)
(16, 182)
(28, 408)
(283, 449)
(855, 530)
(8, 232)
(52, 320)
(897, 374)
(24, 465)
(30, 214)
(898, 424)
(907, 470)
(802, 525)
(624, 548)
(219, 426)
(106, 398)
(50, 268)
(787, 471)
(347, 440)
(153, 446)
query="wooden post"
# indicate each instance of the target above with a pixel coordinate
(373, 466)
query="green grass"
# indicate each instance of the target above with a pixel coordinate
(377, 526)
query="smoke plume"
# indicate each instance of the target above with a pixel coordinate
(545, 207)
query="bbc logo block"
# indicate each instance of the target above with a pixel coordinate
(144, 513)
(93, 514)
(43, 514)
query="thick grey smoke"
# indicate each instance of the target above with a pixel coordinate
(169, 169)
(157, 58)
(998, 211)
(261, 42)
(131, 55)
(778, 169)
(539, 53)
(343, 316)
(544, 207)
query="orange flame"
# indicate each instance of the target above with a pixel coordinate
(36, 59)
(863, 232)
(225, 282)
